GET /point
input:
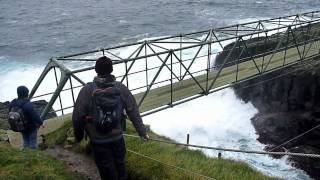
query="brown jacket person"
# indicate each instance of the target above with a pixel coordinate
(108, 145)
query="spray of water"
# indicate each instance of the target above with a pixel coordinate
(220, 120)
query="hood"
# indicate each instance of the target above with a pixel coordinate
(22, 92)
(104, 81)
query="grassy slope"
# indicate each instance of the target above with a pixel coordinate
(29, 164)
(141, 168)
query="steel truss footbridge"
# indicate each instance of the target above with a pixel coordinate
(166, 71)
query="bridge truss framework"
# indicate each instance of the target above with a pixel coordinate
(167, 71)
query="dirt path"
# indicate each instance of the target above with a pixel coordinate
(79, 163)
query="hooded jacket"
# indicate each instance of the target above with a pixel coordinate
(30, 114)
(82, 109)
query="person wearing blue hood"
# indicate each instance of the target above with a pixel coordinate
(32, 118)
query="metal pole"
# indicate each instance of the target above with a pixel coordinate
(162, 61)
(73, 99)
(48, 67)
(132, 62)
(63, 80)
(55, 74)
(296, 44)
(208, 67)
(195, 57)
(146, 61)
(154, 79)
(180, 58)
(264, 53)
(188, 140)
(285, 51)
(238, 61)
(171, 82)
(126, 75)
(222, 66)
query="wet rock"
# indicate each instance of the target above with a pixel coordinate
(288, 106)
(306, 163)
(3, 115)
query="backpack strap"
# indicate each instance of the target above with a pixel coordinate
(92, 86)
(17, 104)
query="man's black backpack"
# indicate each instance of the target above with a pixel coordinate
(16, 119)
(107, 107)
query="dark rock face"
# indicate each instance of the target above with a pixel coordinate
(307, 163)
(4, 108)
(3, 115)
(245, 49)
(242, 50)
(288, 106)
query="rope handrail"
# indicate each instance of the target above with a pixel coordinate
(170, 165)
(229, 149)
(299, 136)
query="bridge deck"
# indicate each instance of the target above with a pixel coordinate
(161, 96)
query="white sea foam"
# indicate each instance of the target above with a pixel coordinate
(220, 120)
(122, 21)
(21, 76)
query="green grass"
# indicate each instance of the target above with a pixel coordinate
(192, 160)
(141, 168)
(30, 164)
(4, 123)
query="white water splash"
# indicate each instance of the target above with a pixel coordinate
(220, 120)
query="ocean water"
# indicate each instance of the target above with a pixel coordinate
(33, 31)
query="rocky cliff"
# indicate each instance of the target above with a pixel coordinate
(288, 101)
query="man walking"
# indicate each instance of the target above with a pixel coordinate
(99, 111)
(28, 115)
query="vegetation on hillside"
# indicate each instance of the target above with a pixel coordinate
(30, 164)
(139, 167)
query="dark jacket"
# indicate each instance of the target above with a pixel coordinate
(82, 110)
(30, 114)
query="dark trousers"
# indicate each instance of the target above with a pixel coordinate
(109, 158)
(30, 139)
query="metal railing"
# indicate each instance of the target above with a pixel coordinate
(167, 71)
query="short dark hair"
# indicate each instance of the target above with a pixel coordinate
(103, 66)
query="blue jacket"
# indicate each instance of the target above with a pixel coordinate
(30, 114)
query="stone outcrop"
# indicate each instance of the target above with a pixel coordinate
(288, 106)
(3, 115)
